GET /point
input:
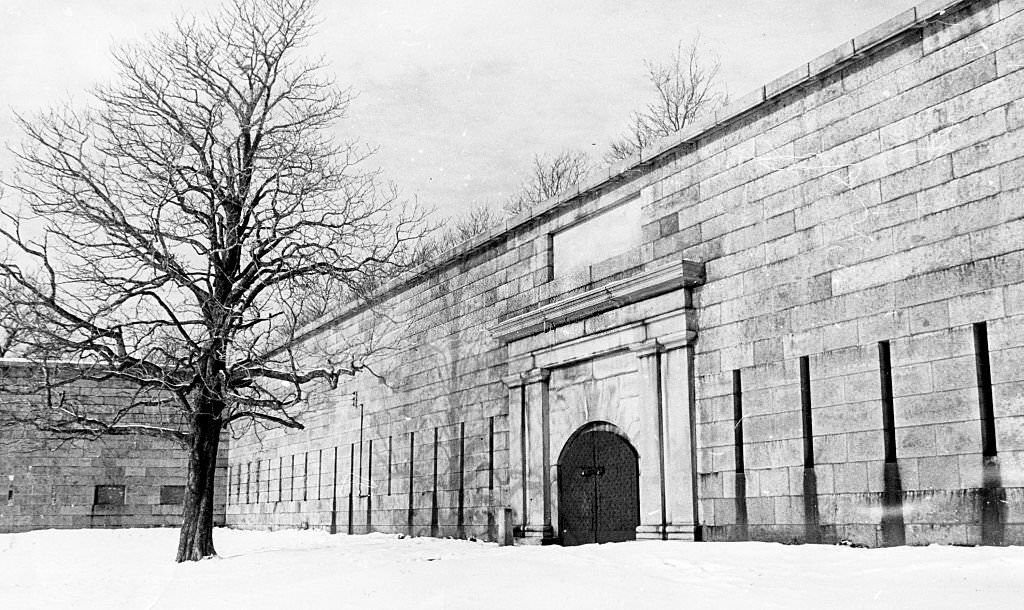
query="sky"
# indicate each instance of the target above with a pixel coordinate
(457, 95)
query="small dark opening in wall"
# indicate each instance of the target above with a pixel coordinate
(435, 523)
(983, 370)
(888, 409)
(412, 480)
(805, 408)
(740, 484)
(893, 525)
(812, 520)
(369, 469)
(490, 454)
(737, 417)
(259, 469)
(109, 495)
(305, 476)
(172, 494)
(993, 495)
(461, 518)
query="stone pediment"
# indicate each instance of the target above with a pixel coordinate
(650, 283)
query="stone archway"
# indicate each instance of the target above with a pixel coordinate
(598, 487)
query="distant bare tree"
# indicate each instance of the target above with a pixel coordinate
(462, 228)
(184, 227)
(686, 89)
(548, 177)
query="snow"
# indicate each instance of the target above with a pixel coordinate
(307, 569)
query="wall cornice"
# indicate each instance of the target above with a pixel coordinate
(681, 274)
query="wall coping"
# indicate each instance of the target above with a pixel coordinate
(681, 274)
(27, 362)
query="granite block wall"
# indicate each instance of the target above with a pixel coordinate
(870, 200)
(46, 483)
(877, 203)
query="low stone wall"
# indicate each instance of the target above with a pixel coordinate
(109, 482)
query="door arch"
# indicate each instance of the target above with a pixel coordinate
(598, 487)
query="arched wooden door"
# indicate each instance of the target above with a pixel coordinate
(598, 489)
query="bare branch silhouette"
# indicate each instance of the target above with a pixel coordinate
(686, 88)
(186, 225)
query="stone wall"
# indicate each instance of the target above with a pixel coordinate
(880, 202)
(422, 449)
(869, 201)
(45, 483)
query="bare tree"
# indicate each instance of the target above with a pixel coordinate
(548, 177)
(477, 220)
(11, 328)
(459, 229)
(184, 226)
(8, 339)
(686, 89)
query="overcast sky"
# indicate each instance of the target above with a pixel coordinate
(458, 95)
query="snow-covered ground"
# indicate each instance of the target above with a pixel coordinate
(128, 569)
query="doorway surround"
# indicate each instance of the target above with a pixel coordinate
(647, 317)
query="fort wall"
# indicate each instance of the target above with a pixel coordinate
(833, 266)
(116, 481)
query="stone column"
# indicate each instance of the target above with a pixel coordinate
(516, 451)
(649, 444)
(678, 416)
(537, 527)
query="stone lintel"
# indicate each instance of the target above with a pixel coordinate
(633, 337)
(591, 346)
(642, 286)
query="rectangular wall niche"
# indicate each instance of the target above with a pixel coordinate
(109, 495)
(172, 494)
(606, 235)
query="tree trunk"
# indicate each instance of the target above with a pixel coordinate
(196, 540)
